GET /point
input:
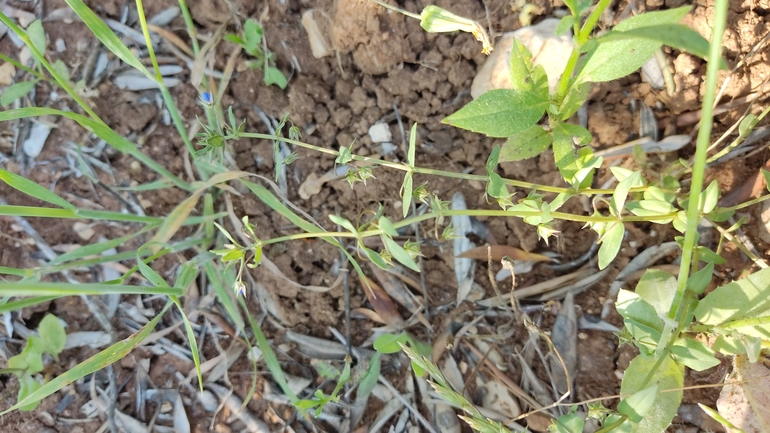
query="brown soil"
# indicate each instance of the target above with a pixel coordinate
(383, 60)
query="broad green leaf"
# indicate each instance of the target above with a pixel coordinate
(637, 405)
(28, 385)
(36, 34)
(107, 36)
(576, 97)
(52, 333)
(252, 32)
(739, 305)
(95, 363)
(700, 280)
(526, 144)
(33, 189)
(694, 354)
(496, 187)
(676, 36)
(340, 221)
(611, 242)
(399, 253)
(275, 76)
(493, 159)
(369, 380)
(345, 156)
(500, 113)
(564, 137)
(524, 76)
(708, 256)
(641, 319)
(389, 343)
(668, 376)
(568, 423)
(657, 288)
(16, 91)
(615, 59)
(621, 191)
(31, 357)
(386, 226)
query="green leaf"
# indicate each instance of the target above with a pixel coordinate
(107, 37)
(386, 226)
(611, 242)
(641, 319)
(61, 70)
(568, 423)
(33, 189)
(399, 253)
(52, 333)
(657, 288)
(747, 125)
(668, 376)
(345, 156)
(31, 358)
(389, 343)
(615, 59)
(234, 39)
(500, 113)
(738, 305)
(370, 379)
(493, 159)
(155, 278)
(340, 221)
(406, 193)
(252, 32)
(27, 386)
(375, 257)
(699, 281)
(621, 191)
(525, 77)
(16, 91)
(565, 24)
(708, 256)
(187, 273)
(576, 97)
(694, 354)
(412, 146)
(526, 144)
(274, 75)
(564, 137)
(497, 188)
(637, 405)
(676, 36)
(766, 175)
(709, 197)
(36, 34)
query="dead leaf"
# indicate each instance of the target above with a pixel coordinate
(500, 251)
(7, 72)
(382, 304)
(744, 400)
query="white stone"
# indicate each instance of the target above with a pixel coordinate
(380, 133)
(547, 49)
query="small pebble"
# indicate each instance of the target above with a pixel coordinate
(60, 46)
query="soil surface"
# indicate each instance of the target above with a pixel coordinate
(384, 67)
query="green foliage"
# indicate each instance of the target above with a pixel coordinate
(252, 41)
(648, 408)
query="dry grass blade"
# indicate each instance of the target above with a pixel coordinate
(497, 252)
(539, 288)
(383, 304)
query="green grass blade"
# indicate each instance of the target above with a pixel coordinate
(65, 289)
(269, 355)
(32, 189)
(4, 270)
(24, 303)
(98, 248)
(150, 186)
(110, 40)
(102, 131)
(224, 295)
(95, 363)
(47, 212)
(193, 342)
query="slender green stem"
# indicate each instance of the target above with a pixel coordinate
(756, 321)
(399, 10)
(591, 21)
(699, 167)
(39, 75)
(566, 77)
(148, 40)
(433, 172)
(191, 30)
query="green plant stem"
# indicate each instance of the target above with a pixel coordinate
(591, 21)
(433, 172)
(39, 75)
(148, 40)
(468, 212)
(566, 77)
(399, 10)
(699, 167)
(745, 204)
(191, 30)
